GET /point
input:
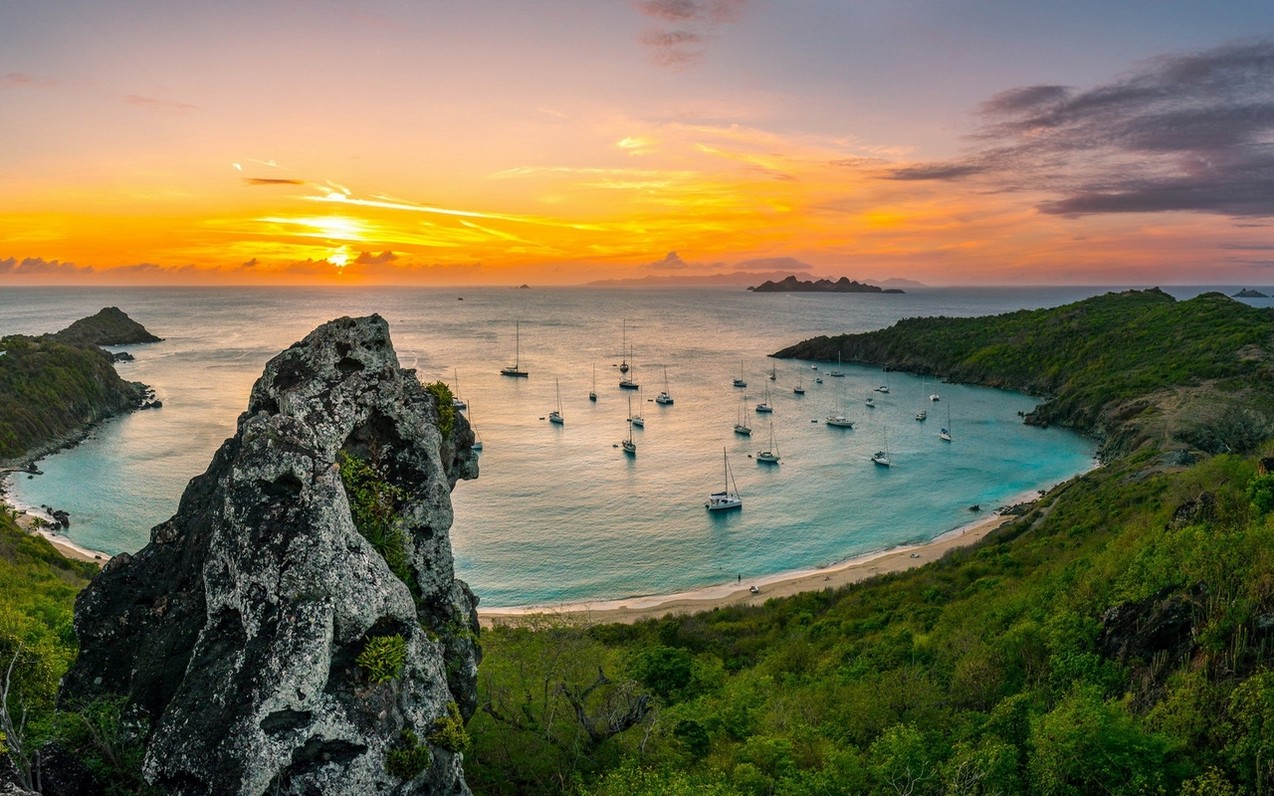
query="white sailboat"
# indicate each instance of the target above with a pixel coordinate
(881, 457)
(739, 382)
(840, 420)
(764, 406)
(838, 373)
(592, 394)
(729, 497)
(516, 368)
(477, 438)
(799, 389)
(921, 414)
(628, 445)
(556, 415)
(664, 397)
(884, 387)
(945, 433)
(741, 426)
(456, 400)
(771, 455)
(636, 419)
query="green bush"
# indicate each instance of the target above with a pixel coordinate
(383, 658)
(448, 731)
(374, 504)
(409, 758)
(446, 407)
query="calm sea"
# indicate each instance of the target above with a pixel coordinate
(560, 513)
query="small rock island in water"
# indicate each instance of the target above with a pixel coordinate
(842, 285)
(1248, 292)
(296, 627)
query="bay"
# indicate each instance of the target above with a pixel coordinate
(559, 513)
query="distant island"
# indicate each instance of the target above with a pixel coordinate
(1248, 292)
(843, 285)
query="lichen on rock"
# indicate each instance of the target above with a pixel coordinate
(237, 630)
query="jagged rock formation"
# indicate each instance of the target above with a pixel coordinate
(243, 631)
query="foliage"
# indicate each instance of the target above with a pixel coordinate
(383, 658)
(446, 407)
(374, 504)
(996, 670)
(109, 742)
(49, 389)
(448, 731)
(409, 758)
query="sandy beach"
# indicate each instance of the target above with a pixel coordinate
(636, 609)
(30, 521)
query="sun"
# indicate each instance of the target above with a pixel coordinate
(339, 258)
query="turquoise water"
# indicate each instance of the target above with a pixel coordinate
(559, 513)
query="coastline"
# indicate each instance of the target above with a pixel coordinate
(27, 517)
(783, 584)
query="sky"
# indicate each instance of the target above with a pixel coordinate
(445, 142)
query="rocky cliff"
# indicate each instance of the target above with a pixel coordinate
(296, 627)
(110, 326)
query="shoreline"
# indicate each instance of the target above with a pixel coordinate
(26, 518)
(783, 584)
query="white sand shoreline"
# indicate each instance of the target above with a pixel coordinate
(26, 517)
(781, 584)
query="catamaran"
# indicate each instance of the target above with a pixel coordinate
(741, 426)
(556, 415)
(664, 397)
(456, 401)
(729, 497)
(770, 455)
(516, 368)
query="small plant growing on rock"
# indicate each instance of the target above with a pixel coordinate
(383, 658)
(448, 731)
(446, 407)
(409, 757)
(373, 503)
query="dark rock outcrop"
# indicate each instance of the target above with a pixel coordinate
(843, 285)
(237, 632)
(110, 326)
(1248, 292)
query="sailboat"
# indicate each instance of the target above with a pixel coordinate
(921, 414)
(739, 382)
(664, 397)
(477, 438)
(840, 420)
(728, 498)
(884, 387)
(636, 419)
(881, 457)
(628, 445)
(799, 389)
(945, 433)
(456, 401)
(741, 426)
(516, 368)
(774, 374)
(838, 373)
(771, 455)
(764, 406)
(623, 350)
(627, 382)
(592, 394)
(556, 415)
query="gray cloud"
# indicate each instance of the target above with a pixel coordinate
(367, 258)
(1182, 133)
(671, 262)
(685, 27)
(38, 266)
(773, 264)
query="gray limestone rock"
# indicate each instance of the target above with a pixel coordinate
(236, 632)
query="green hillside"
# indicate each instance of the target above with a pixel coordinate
(1128, 367)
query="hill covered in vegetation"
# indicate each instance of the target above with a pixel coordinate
(52, 387)
(1128, 367)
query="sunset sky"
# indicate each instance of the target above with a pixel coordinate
(476, 142)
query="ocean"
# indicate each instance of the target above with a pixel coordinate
(560, 514)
